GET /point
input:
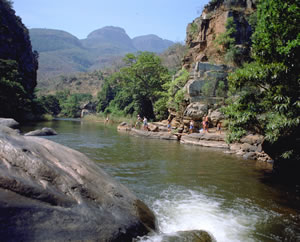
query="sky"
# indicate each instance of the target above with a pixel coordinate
(166, 18)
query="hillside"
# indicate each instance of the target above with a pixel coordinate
(61, 53)
(151, 43)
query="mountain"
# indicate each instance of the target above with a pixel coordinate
(51, 40)
(109, 40)
(62, 53)
(151, 43)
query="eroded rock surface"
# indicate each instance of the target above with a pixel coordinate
(54, 193)
(9, 122)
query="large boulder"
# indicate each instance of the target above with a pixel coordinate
(49, 192)
(42, 132)
(196, 111)
(8, 122)
(215, 116)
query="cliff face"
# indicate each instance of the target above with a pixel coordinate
(15, 45)
(206, 62)
(203, 31)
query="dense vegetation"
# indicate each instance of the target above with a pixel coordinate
(14, 99)
(63, 104)
(18, 65)
(135, 88)
(265, 93)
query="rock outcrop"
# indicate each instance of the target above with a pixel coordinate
(202, 32)
(42, 132)
(157, 133)
(206, 140)
(205, 60)
(8, 122)
(15, 45)
(49, 192)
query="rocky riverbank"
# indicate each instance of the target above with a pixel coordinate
(249, 147)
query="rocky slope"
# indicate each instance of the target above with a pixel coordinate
(49, 192)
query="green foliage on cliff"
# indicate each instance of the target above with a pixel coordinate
(227, 41)
(135, 88)
(268, 89)
(172, 95)
(14, 99)
(18, 65)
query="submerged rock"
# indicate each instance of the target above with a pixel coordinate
(41, 132)
(189, 236)
(54, 193)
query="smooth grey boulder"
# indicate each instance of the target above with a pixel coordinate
(49, 192)
(8, 122)
(189, 236)
(42, 132)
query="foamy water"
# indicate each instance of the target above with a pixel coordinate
(180, 210)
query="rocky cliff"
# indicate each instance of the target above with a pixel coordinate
(205, 58)
(203, 31)
(15, 45)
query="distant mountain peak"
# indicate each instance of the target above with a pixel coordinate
(107, 29)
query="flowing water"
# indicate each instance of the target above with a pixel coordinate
(189, 187)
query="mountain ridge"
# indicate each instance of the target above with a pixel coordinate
(63, 53)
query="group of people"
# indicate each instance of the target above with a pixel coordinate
(205, 126)
(139, 121)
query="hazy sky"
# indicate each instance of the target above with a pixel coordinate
(165, 18)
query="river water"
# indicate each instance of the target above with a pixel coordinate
(189, 187)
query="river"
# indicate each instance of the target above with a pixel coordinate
(189, 187)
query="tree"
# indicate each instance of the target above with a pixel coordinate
(267, 90)
(14, 100)
(135, 88)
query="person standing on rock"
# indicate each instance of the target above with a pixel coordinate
(145, 122)
(206, 124)
(169, 125)
(191, 126)
(219, 127)
(138, 122)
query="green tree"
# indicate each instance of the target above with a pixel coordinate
(267, 90)
(135, 89)
(49, 104)
(12, 92)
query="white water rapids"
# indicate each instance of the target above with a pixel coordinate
(182, 210)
